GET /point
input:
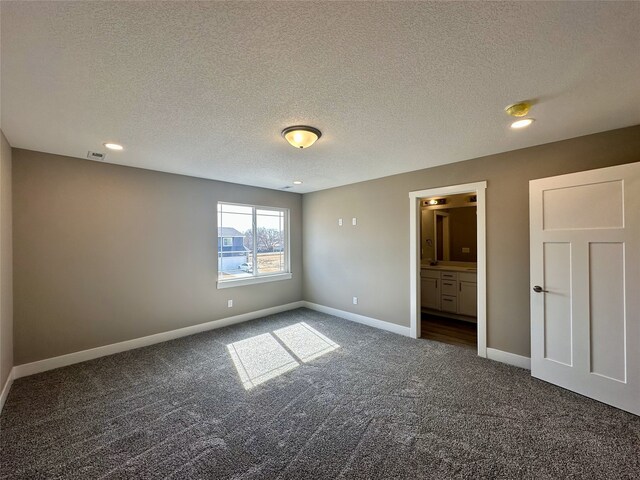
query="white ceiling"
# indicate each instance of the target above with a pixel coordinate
(204, 89)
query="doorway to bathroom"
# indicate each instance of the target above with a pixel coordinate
(448, 265)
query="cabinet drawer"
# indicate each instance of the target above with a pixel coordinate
(467, 277)
(449, 275)
(426, 273)
(449, 287)
(449, 304)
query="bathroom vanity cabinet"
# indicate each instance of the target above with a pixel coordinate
(450, 291)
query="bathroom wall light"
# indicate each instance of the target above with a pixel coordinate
(436, 201)
(301, 136)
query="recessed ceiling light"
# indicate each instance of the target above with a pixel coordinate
(525, 122)
(297, 182)
(113, 146)
(301, 136)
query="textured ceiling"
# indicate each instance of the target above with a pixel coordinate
(204, 89)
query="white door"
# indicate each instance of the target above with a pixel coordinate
(585, 280)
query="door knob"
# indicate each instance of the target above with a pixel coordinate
(539, 289)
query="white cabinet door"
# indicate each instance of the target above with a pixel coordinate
(468, 299)
(430, 291)
(585, 278)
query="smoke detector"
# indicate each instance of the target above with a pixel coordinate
(519, 109)
(96, 155)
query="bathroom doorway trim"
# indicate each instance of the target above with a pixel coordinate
(478, 189)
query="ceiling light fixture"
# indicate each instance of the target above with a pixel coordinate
(301, 136)
(519, 109)
(113, 146)
(297, 182)
(525, 122)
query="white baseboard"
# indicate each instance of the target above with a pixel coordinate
(354, 317)
(5, 389)
(509, 358)
(32, 368)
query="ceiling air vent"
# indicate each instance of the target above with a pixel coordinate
(96, 155)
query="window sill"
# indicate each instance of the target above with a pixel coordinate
(253, 280)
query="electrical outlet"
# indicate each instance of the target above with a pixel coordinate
(354, 221)
(339, 222)
(355, 300)
(229, 303)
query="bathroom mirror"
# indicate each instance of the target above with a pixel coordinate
(455, 234)
(449, 232)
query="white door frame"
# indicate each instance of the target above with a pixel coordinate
(479, 189)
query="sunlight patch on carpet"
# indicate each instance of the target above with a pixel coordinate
(263, 357)
(260, 358)
(305, 342)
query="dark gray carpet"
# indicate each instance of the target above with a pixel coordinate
(379, 406)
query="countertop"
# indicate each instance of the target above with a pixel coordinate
(450, 268)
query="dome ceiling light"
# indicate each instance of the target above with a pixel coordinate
(301, 136)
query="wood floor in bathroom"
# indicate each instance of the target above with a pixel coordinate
(447, 330)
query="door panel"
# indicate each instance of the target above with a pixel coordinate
(607, 322)
(557, 305)
(604, 201)
(585, 265)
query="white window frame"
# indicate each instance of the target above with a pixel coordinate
(224, 241)
(265, 277)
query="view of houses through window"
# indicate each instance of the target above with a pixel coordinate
(251, 241)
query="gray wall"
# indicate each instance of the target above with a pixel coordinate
(6, 271)
(371, 260)
(463, 232)
(106, 253)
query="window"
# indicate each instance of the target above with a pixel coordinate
(252, 244)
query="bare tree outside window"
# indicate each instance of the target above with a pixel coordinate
(269, 239)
